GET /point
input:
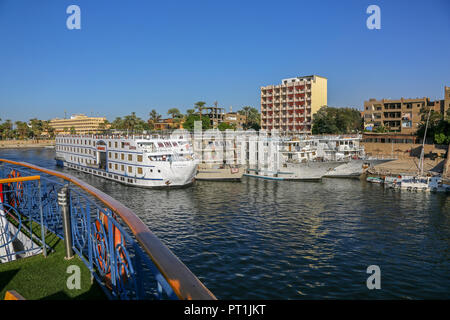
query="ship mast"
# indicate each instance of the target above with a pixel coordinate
(423, 144)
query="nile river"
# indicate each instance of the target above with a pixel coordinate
(262, 239)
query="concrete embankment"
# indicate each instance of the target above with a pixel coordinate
(15, 144)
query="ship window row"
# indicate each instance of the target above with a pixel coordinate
(139, 170)
(75, 149)
(139, 157)
(82, 160)
(86, 142)
(101, 173)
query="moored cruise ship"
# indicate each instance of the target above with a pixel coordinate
(144, 161)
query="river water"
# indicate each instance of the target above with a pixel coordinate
(262, 239)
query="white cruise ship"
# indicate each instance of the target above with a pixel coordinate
(143, 161)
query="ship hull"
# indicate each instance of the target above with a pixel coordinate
(173, 175)
(353, 168)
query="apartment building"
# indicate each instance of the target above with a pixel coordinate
(290, 106)
(401, 115)
(80, 122)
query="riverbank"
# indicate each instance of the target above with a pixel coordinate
(407, 166)
(17, 144)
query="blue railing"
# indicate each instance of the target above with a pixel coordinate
(123, 256)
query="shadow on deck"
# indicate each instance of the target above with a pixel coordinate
(40, 278)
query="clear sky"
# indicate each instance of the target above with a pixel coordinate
(141, 55)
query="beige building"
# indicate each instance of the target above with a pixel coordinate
(81, 123)
(289, 106)
(236, 119)
(401, 115)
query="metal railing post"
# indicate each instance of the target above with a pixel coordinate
(63, 203)
(43, 229)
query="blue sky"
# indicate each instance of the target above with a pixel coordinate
(142, 55)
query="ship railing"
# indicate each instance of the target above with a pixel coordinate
(120, 251)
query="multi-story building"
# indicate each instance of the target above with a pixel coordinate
(215, 114)
(400, 115)
(290, 106)
(168, 124)
(236, 119)
(81, 123)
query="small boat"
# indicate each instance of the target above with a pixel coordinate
(375, 180)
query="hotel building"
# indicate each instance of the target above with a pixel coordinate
(289, 106)
(81, 123)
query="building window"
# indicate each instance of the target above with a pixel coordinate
(116, 166)
(110, 166)
(122, 167)
(130, 157)
(139, 170)
(122, 156)
(130, 169)
(139, 158)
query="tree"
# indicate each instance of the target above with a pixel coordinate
(330, 120)
(200, 105)
(224, 126)
(130, 122)
(72, 130)
(22, 130)
(188, 123)
(46, 127)
(36, 127)
(438, 127)
(155, 117)
(252, 117)
(174, 112)
(6, 129)
(117, 124)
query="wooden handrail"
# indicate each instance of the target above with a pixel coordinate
(183, 282)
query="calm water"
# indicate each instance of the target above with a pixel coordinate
(291, 240)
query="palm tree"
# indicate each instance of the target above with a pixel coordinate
(174, 112)
(200, 106)
(130, 121)
(154, 118)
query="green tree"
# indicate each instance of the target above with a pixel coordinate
(438, 127)
(22, 130)
(224, 126)
(36, 128)
(200, 105)
(330, 120)
(72, 130)
(188, 123)
(155, 117)
(252, 117)
(174, 112)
